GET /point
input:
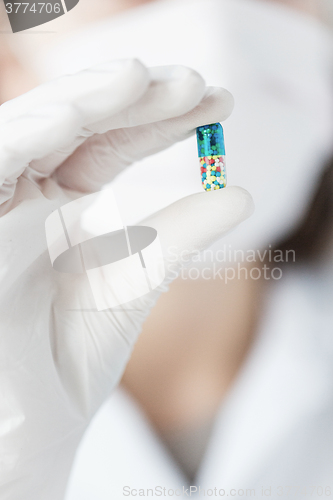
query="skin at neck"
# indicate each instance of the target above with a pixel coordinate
(191, 349)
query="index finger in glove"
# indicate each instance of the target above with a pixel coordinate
(102, 157)
(96, 93)
(52, 116)
(173, 91)
(103, 97)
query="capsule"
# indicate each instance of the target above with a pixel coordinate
(211, 151)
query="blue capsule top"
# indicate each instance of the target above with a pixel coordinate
(210, 140)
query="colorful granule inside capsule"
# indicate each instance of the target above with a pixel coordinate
(211, 151)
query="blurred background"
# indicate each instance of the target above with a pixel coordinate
(231, 382)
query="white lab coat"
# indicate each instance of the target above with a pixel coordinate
(274, 430)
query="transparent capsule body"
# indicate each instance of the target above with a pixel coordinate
(211, 151)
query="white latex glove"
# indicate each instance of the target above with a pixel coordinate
(69, 136)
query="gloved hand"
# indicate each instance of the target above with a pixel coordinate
(59, 141)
